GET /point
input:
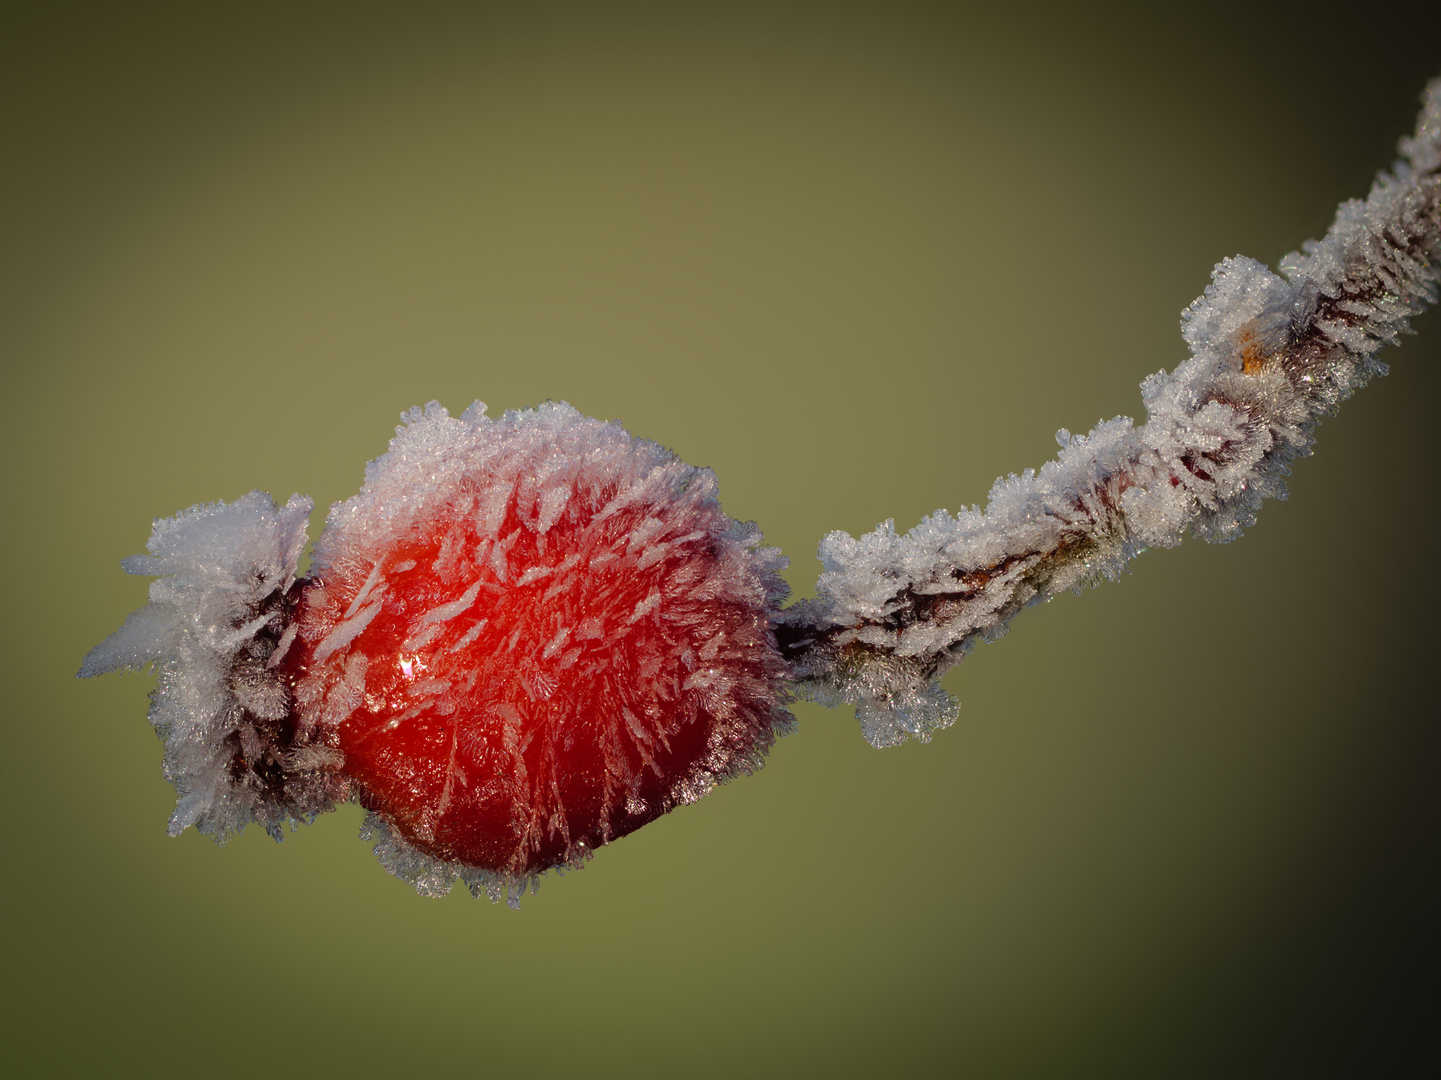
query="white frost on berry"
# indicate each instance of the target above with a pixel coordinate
(216, 625)
(434, 877)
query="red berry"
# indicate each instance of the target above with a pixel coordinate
(532, 636)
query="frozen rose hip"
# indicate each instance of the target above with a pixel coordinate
(524, 638)
(533, 635)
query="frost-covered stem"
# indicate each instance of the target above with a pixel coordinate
(1271, 356)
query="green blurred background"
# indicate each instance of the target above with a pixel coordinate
(860, 260)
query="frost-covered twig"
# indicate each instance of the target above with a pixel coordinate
(1271, 356)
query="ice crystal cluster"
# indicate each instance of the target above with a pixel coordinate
(216, 629)
(1271, 356)
(527, 637)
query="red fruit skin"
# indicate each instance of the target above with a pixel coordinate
(610, 664)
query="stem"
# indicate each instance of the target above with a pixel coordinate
(1271, 357)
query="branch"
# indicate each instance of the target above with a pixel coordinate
(1270, 357)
